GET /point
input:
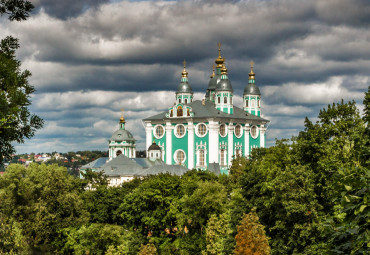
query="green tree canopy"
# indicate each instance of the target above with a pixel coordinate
(16, 121)
(43, 200)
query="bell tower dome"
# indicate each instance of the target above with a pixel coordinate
(184, 93)
(122, 142)
(252, 95)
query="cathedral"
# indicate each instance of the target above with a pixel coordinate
(204, 135)
(199, 134)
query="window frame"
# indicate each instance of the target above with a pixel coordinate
(155, 131)
(202, 153)
(219, 131)
(257, 132)
(175, 130)
(175, 156)
(197, 129)
(223, 157)
(241, 131)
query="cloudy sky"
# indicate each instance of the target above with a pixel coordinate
(90, 58)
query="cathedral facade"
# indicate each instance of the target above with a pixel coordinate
(198, 134)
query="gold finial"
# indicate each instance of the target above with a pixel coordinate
(213, 71)
(184, 72)
(122, 119)
(252, 74)
(220, 60)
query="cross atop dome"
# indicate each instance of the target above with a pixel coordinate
(251, 73)
(122, 119)
(220, 60)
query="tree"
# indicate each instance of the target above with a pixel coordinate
(217, 232)
(366, 152)
(283, 194)
(148, 249)
(17, 10)
(16, 121)
(151, 208)
(43, 200)
(94, 239)
(251, 238)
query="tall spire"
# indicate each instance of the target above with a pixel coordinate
(213, 71)
(122, 121)
(184, 74)
(251, 73)
(220, 60)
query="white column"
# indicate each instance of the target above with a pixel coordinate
(149, 134)
(168, 143)
(190, 144)
(213, 141)
(262, 136)
(230, 144)
(246, 140)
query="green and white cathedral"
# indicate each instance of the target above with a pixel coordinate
(200, 134)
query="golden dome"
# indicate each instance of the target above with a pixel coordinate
(224, 69)
(184, 72)
(122, 119)
(220, 60)
(251, 73)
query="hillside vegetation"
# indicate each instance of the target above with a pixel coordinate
(305, 195)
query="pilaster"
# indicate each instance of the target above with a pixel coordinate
(149, 134)
(213, 141)
(168, 143)
(190, 144)
(246, 140)
(262, 136)
(230, 144)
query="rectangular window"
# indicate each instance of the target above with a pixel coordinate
(222, 157)
(201, 158)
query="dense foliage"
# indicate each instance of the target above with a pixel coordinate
(306, 195)
(16, 121)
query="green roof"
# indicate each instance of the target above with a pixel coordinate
(208, 110)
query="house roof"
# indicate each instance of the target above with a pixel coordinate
(121, 166)
(96, 163)
(208, 110)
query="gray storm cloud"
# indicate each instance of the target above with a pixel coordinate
(95, 57)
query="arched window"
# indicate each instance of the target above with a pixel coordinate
(179, 100)
(171, 113)
(201, 130)
(254, 132)
(188, 112)
(179, 111)
(159, 131)
(118, 153)
(253, 103)
(186, 101)
(219, 100)
(225, 100)
(180, 156)
(202, 158)
(231, 100)
(180, 130)
(237, 130)
(223, 130)
(246, 103)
